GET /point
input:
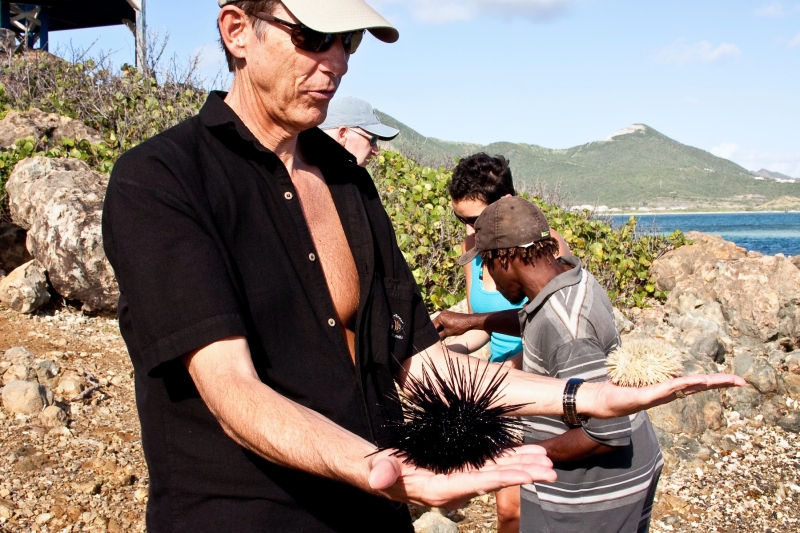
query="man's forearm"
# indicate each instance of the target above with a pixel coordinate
(573, 445)
(266, 423)
(541, 395)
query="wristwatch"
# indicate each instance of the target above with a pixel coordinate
(571, 417)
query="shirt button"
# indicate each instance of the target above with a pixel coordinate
(288, 196)
(312, 257)
(331, 322)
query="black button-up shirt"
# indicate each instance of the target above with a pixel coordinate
(208, 240)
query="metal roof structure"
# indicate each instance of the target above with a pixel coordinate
(33, 20)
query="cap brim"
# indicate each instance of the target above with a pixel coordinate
(384, 132)
(340, 16)
(468, 257)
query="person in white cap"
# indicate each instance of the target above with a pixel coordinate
(354, 124)
(268, 310)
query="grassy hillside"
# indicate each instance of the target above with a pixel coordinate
(640, 167)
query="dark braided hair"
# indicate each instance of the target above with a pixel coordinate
(544, 249)
(481, 177)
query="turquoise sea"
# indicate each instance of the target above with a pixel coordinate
(768, 233)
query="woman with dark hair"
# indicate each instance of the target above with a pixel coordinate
(478, 181)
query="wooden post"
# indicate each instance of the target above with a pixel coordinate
(141, 37)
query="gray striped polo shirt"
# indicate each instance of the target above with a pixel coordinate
(568, 330)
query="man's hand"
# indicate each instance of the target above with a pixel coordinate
(450, 324)
(606, 400)
(406, 483)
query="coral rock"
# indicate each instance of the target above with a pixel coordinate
(25, 289)
(60, 203)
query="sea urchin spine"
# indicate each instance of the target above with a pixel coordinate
(454, 422)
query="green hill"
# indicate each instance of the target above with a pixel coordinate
(635, 167)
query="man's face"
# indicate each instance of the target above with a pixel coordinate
(358, 142)
(293, 86)
(507, 280)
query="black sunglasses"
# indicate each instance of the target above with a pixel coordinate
(373, 139)
(469, 221)
(310, 40)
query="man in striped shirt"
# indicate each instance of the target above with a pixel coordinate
(607, 469)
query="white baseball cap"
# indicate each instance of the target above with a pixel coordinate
(354, 113)
(338, 16)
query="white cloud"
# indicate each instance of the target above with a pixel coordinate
(444, 11)
(774, 9)
(785, 163)
(681, 52)
(795, 43)
(725, 150)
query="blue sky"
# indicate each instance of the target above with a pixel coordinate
(722, 75)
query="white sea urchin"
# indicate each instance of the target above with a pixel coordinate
(644, 362)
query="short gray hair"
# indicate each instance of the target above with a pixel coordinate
(251, 8)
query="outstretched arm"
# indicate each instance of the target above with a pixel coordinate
(543, 396)
(450, 324)
(573, 445)
(283, 432)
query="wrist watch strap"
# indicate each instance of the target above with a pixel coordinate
(570, 416)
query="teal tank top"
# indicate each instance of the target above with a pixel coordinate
(483, 301)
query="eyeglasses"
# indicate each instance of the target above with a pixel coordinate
(469, 221)
(310, 40)
(373, 139)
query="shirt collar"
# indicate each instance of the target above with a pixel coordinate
(216, 114)
(565, 279)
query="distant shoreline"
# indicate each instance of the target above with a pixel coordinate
(634, 213)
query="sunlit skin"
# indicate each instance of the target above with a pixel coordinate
(284, 90)
(355, 141)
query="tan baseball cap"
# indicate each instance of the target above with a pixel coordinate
(339, 16)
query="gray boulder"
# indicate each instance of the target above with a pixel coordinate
(25, 397)
(60, 203)
(47, 373)
(790, 422)
(40, 125)
(13, 251)
(25, 289)
(792, 362)
(702, 344)
(434, 523)
(747, 401)
(757, 372)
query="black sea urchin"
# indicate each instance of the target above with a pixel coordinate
(454, 422)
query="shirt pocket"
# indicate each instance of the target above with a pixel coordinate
(400, 296)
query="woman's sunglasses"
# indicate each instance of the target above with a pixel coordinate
(310, 40)
(469, 221)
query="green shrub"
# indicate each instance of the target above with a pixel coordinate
(417, 201)
(428, 233)
(128, 107)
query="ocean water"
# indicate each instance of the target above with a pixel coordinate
(768, 233)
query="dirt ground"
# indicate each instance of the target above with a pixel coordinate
(91, 476)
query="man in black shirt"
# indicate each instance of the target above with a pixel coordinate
(267, 309)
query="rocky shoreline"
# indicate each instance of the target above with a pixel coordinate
(731, 458)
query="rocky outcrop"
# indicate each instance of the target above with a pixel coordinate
(755, 299)
(43, 126)
(60, 203)
(8, 41)
(25, 289)
(682, 263)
